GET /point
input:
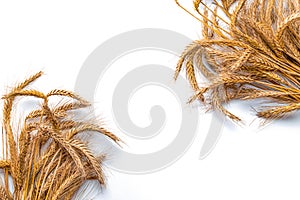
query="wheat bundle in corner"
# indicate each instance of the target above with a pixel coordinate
(249, 49)
(47, 159)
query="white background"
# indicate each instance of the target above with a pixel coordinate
(57, 36)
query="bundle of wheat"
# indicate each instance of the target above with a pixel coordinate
(47, 159)
(250, 49)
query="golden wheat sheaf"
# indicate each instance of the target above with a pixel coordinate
(47, 159)
(250, 49)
